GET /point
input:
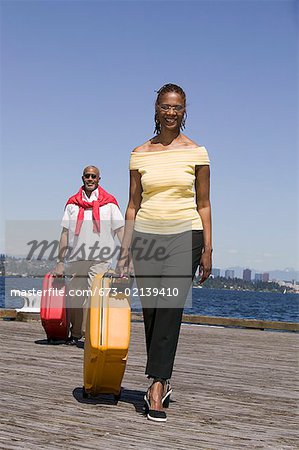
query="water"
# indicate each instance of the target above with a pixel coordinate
(246, 304)
(8, 283)
(206, 302)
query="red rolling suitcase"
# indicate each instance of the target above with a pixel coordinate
(53, 311)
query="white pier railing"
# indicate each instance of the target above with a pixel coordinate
(31, 301)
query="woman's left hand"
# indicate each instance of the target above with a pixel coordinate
(205, 265)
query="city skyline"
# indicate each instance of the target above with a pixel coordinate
(236, 272)
(78, 87)
(288, 274)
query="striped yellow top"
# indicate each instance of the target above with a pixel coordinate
(168, 197)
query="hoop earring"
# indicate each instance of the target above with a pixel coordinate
(183, 123)
(157, 124)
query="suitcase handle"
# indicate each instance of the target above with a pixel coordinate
(120, 281)
(61, 277)
(115, 275)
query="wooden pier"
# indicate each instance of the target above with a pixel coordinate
(233, 389)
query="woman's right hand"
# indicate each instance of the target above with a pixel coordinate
(120, 268)
(124, 266)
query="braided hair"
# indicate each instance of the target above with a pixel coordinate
(169, 87)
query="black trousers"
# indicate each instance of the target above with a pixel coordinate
(164, 266)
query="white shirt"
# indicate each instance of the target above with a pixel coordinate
(90, 245)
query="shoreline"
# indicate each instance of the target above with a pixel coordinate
(289, 291)
(191, 319)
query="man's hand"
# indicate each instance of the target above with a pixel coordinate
(58, 271)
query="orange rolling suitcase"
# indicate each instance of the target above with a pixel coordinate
(107, 336)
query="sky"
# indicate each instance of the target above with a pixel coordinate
(78, 82)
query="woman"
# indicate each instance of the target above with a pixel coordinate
(168, 233)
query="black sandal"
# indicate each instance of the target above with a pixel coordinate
(166, 397)
(154, 414)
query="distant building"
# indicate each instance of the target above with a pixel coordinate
(247, 275)
(229, 273)
(265, 277)
(258, 277)
(216, 273)
(2, 264)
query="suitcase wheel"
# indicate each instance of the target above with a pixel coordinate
(117, 396)
(84, 393)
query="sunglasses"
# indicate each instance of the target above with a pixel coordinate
(90, 175)
(176, 108)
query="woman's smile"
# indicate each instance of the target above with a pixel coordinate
(170, 120)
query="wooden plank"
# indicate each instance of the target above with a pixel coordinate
(233, 322)
(244, 323)
(192, 319)
(233, 389)
(27, 316)
(8, 313)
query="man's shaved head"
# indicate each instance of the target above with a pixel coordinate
(91, 167)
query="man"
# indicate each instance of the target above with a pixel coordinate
(90, 222)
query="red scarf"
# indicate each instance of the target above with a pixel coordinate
(103, 199)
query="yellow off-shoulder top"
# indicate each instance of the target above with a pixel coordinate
(168, 197)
